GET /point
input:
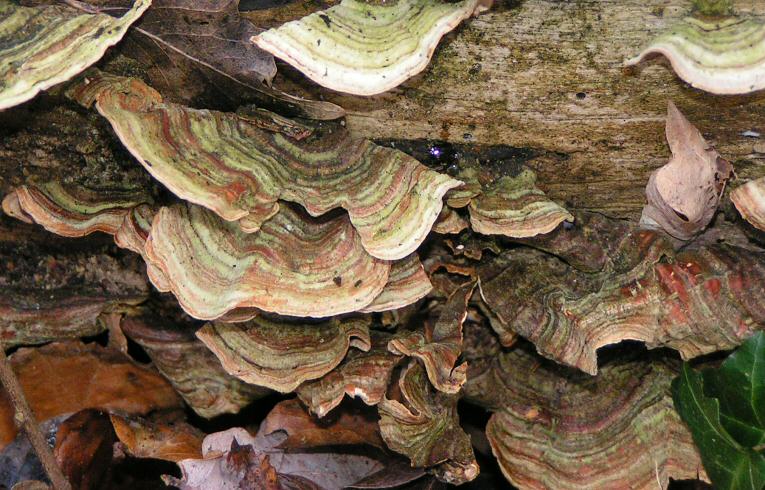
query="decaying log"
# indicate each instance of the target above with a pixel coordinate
(546, 78)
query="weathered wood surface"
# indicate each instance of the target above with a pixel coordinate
(547, 75)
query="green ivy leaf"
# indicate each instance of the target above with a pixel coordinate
(739, 384)
(725, 411)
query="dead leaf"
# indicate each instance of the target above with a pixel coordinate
(344, 427)
(683, 194)
(393, 476)
(66, 377)
(83, 448)
(230, 454)
(31, 485)
(144, 438)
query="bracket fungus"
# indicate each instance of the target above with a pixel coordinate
(553, 428)
(73, 210)
(407, 284)
(424, 427)
(509, 205)
(281, 355)
(363, 374)
(683, 194)
(366, 48)
(717, 55)
(12, 207)
(749, 199)
(194, 372)
(695, 301)
(515, 207)
(449, 222)
(293, 266)
(135, 228)
(41, 47)
(440, 346)
(224, 162)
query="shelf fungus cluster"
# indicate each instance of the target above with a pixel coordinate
(720, 55)
(217, 270)
(366, 48)
(553, 428)
(694, 301)
(240, 171)
(301, 259)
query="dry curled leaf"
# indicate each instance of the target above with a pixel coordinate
(94, 377)
(208, 33)
(683, 194)
(169, 441)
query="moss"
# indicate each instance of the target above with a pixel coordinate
(713, 8)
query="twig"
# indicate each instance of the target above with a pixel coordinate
(25, 420)
(82, 6)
